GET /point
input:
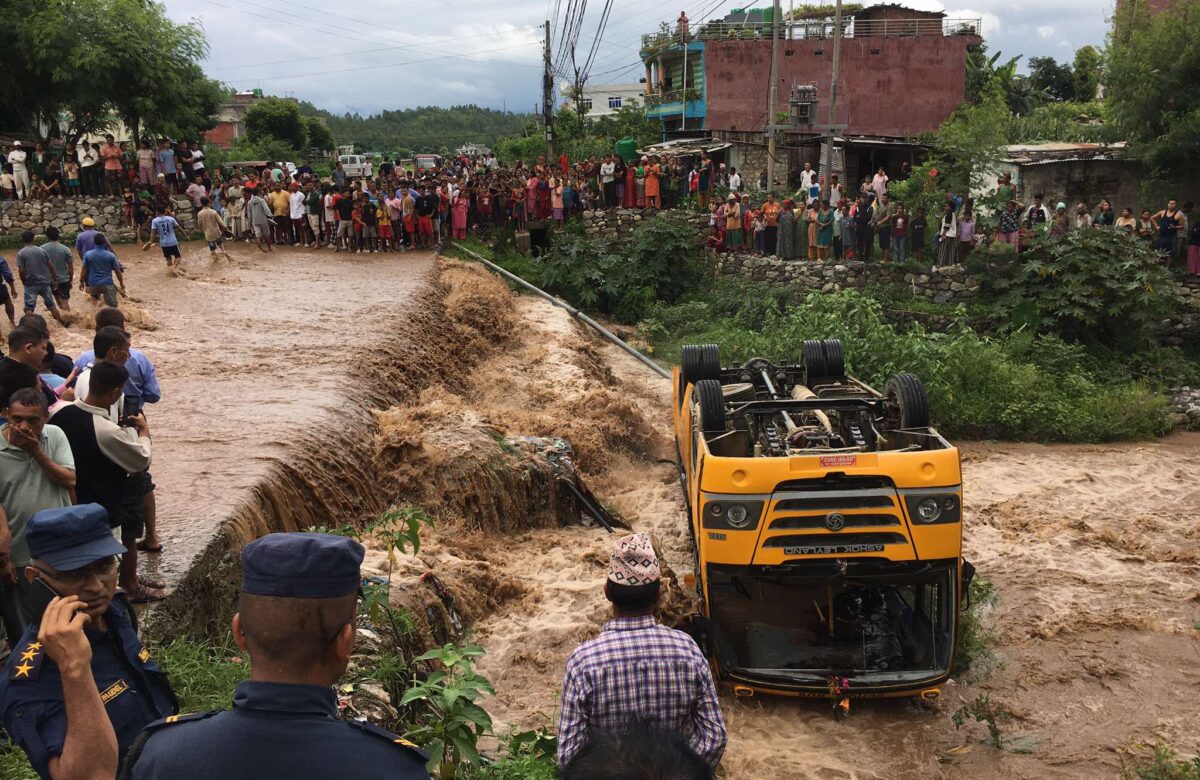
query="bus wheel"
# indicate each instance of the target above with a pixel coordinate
(835, 359)
(906, 405)
(812, 357)
(712, 406)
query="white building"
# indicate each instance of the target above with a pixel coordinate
(605, 99)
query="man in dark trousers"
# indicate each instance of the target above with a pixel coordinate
(79, 687)
(296, 621)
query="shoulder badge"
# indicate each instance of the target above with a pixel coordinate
(27, 660)
(383, 733)
(171, 720)
(135, 750)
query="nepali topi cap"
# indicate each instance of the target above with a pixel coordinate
(302, 566)
(634, 561)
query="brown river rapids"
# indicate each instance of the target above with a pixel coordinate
(305, 388)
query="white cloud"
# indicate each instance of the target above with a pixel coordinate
(371, 55)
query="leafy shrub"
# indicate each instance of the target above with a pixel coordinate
(661, 262)
(1093, 286)
(1164, 763)
(1019, 386)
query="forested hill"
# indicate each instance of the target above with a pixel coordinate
(428, 128)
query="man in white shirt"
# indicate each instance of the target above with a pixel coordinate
(296, 212)
(16, 158)
(807, 176)
(608, 180)
(735, 180)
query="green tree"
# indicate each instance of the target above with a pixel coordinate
(1152, 95)
(1055, 81)
(278, 119)
(93, 61)
(319, 136)
(1086, 73)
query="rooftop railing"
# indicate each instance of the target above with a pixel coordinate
(801, 29)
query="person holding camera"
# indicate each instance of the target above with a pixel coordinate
(110, 457)
(80, 686)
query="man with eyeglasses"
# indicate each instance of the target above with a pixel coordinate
(295, 620)
(80, 686)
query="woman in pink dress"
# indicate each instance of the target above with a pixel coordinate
(458, 214)
(630, 201)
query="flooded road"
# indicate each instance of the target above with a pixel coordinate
(251, 356)
(1092, 549)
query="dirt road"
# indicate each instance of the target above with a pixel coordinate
(1093, 551)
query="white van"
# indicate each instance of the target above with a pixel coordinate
(355, 165)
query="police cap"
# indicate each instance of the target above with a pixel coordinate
(302, 565)
(71, 537)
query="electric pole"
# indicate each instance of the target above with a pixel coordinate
(548, 98)
(771, 122)
(833, 92)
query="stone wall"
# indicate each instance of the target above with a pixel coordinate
(17, 216)
(951, 284)
(615, 225)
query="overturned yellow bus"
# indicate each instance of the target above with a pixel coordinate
(827, 523)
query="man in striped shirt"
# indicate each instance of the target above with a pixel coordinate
(638, 674)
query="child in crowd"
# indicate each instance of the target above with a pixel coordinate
(71, 170)
(127, 208)
(369, 224)
(900, 234)
(840, 218)
(7, 184)
(966, 234)
(384, 226)
(916, 235)
(37, 188)
(760, 233)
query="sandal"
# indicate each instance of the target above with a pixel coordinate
(146, 582)
(143, 594)
(156, 548)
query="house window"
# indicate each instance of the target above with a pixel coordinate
(614, 102)
(587, 104)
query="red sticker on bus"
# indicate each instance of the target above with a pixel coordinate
(839, 460)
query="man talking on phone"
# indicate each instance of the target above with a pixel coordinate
(80, 686)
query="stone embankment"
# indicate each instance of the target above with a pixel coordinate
(17, 216)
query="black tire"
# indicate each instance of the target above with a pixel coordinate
(907, 401)
(835, 359)
(710, 361)
(739, 391)
(712, 405)
(812, 357)
(691, 369)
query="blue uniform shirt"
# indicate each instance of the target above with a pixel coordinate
(134, 690)
(274, 731)
(143, 379)
(98, 267)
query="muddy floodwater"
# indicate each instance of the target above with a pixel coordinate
(250, 354)
(309, 387)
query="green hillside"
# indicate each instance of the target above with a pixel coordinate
(428, 128)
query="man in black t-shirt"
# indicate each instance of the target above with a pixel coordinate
(343, 206)
(426, 207)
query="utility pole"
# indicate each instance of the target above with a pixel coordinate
(833, 94)
(771, 100)
(548, 98)
(683, 101)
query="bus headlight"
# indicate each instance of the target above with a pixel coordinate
(929, 510)
(738, 513)
(927, 506)
(737, 516)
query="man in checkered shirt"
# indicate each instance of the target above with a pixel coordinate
(638, 674)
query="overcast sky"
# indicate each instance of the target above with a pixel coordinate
(369, 55)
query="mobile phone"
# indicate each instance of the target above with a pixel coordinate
(40, 597)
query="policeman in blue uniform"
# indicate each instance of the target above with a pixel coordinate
(296, 621)
(82, 656)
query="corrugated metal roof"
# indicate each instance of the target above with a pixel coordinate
(1035, 154)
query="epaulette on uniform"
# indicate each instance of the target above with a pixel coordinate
(383, 733)
(27, 661)
(171, 720)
